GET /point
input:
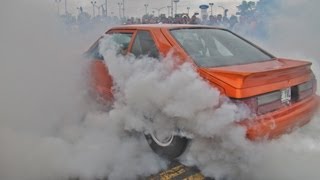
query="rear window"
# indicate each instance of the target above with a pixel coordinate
(216, 47)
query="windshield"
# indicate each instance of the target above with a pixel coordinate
(216, 47)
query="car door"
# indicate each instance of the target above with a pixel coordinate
(101, 80)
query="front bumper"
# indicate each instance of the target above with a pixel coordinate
(282, 121)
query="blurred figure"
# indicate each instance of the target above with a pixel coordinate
(83, 20)
(138, 21)
(170, 20)
(129, 21)
(212, 20)
(251, 20)
(186, 19)
(225, 19)
(225, 22)
(232, 22)
(177, 19)
(205, 20)
(219, 20)
(194, 19)
(242, 26)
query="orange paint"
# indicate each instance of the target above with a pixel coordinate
(237, 81)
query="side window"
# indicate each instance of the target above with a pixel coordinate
(123, 39)
(144, 45)
(93, 51)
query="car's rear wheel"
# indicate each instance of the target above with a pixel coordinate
(170, 146)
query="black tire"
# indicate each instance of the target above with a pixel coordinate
(176, 148)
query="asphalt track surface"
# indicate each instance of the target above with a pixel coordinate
(175, 171)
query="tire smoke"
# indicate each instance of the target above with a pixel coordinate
(48, 127)
(164, 97)
(50, 130)
(293, 33)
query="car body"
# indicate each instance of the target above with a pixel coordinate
(280, 92)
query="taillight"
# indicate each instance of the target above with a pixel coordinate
(273, 101)
(305, 86)
(269, 102)
(315, 85)
(269, 98)
(263, 103)
(251, 103)
(306, 89)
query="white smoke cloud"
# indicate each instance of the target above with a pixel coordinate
(178, 96)
(174, 98)
(293, 33)
(49, 130)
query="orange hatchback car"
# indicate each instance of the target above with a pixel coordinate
(280, 92)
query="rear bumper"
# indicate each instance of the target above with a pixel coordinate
(283, 121)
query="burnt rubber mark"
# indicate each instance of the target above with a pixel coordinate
(178, 171)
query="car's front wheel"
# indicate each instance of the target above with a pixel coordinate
(169, 147)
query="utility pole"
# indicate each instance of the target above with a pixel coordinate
(188, 8)
(58, 5)
(80, 9)
(123, 8)
(100, 8)
(119, 4)
(65, 7)
(211, 4)
(93, 8)
(106, 10)
(146, 6)
(103, 11)
(159, 9)
(176, 5)
(171, 8)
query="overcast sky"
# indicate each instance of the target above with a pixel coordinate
(137, 8)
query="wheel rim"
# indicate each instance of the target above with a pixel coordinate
(166, 141)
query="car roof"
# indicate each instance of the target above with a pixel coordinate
(161, 26)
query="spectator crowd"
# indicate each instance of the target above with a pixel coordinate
(250, 20)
